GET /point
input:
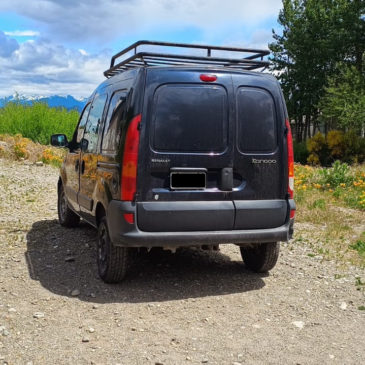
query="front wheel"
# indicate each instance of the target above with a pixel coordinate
(261, 257)
(66, 216)
(112, 261)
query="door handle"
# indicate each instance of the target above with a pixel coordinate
(82, 166)
(226, 179)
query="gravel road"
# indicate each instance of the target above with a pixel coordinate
(191, 307)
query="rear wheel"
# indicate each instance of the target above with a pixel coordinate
(66, 216)
(261, 257)
(112, 261)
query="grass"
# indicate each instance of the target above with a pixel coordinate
(331, 211)
(37, 122)
(359, 246)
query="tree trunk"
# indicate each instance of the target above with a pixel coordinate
(308, 121)
(305, 128)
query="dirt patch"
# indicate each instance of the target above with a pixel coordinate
(190, 307)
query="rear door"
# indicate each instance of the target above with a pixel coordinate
(259, 158)
(186, 152)
(230, 132)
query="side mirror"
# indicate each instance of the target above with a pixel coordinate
(59, 140)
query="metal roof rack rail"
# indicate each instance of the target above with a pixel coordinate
(252, 61)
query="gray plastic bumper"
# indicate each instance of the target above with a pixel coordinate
(129, 235)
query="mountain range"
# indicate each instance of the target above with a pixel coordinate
(68, 101)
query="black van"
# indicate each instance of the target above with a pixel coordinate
(178, 149)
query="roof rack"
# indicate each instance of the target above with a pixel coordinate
(253, 60)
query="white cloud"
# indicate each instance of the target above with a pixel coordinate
(41, 67)
(22, 33)
(83, 52)
(93, 20)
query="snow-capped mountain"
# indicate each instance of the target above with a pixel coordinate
(68, 102)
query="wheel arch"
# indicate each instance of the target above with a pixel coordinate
(100, 212)
(59, 184)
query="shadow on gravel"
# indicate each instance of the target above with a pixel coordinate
(63, 259)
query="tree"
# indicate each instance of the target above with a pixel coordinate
(343, 104)
(316, 36)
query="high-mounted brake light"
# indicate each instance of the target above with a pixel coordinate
(130, 160)
(289, 142)
(208, 78)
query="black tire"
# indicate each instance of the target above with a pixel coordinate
(66, 216)
(112, 261)
(261, 257)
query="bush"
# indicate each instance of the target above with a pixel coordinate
(354, 148)
(301, 153)
(338, 175)
(318, 150)
(20, 148)
(336, 144)
(37, 121)
(347, 147)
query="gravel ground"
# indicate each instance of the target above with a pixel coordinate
(191, 307)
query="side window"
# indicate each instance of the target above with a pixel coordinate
(93, 122)
(81, 126)
(116, 114)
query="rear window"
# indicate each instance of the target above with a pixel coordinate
(256, 120)
(190, 118)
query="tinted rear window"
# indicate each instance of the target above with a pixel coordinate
(256, 120)
(190, 118)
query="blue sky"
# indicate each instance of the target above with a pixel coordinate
(63, 46)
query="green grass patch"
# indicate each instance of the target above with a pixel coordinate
(318, 203)
(37, 121)
(359, 246)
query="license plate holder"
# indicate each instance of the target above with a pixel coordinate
(188, 179)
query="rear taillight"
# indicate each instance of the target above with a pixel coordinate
(129, 167)
(289, 142)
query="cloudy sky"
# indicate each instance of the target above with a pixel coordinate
(62, 47)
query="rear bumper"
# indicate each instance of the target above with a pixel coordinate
(129, 235)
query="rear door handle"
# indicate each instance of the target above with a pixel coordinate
(226, 179)
(82, 166)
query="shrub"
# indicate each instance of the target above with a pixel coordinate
(52, 157)
(37, 121)
(338, 175)
(336, 144)
(300, 152)
(347, 147)
(20, 147)
(354, 148)
(318, 150)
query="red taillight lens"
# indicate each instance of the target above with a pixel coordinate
(130, 160)
(208, 78)
(289, 142)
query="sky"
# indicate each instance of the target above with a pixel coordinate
(62, 47)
